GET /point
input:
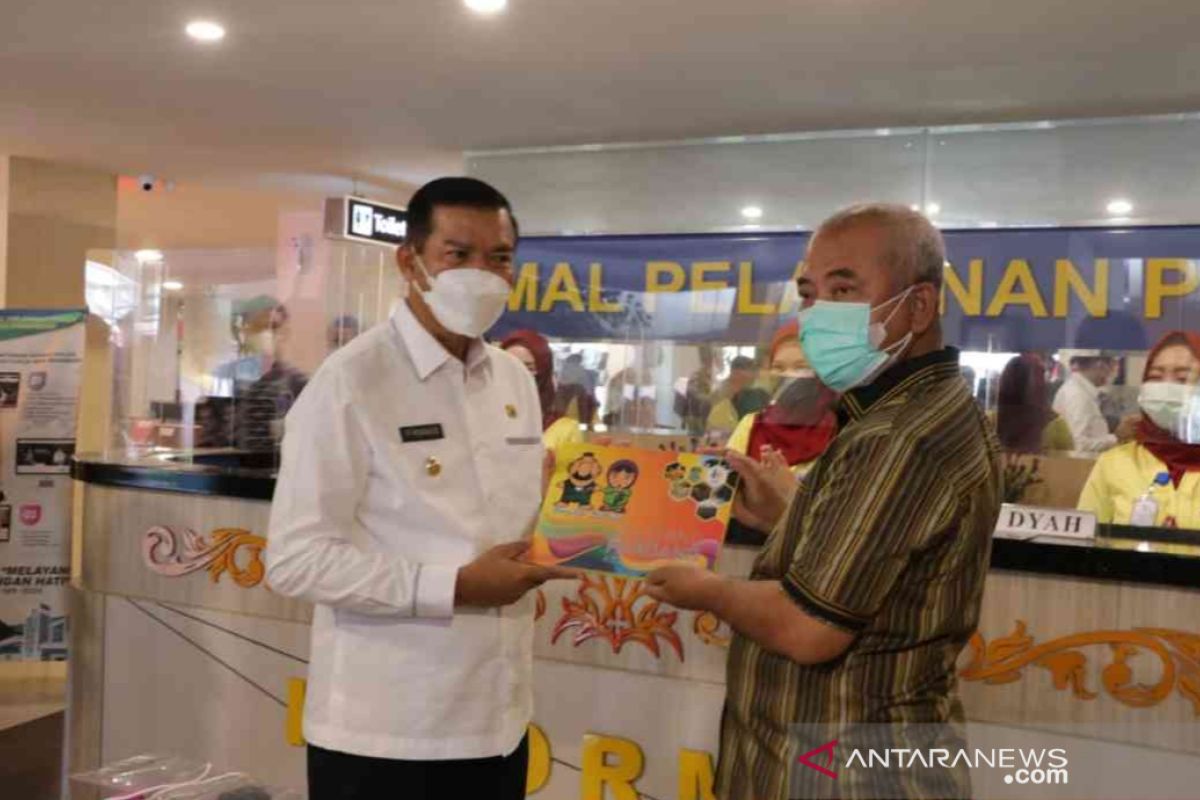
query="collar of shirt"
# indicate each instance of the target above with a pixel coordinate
(937, 365)
(1083, 384)
(427, 353)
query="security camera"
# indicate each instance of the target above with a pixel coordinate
(146, 182)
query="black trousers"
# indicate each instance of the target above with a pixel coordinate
(341, 776)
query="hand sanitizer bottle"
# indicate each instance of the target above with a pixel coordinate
(1145, 509)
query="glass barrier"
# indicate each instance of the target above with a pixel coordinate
(212, 347)
(1075, 342)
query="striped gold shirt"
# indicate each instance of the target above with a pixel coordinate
(887, 538)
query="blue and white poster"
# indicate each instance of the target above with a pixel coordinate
(41, 355)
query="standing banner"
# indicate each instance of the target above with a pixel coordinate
(41, 355)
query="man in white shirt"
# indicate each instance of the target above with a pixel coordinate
(411, 467)
(1078, 402)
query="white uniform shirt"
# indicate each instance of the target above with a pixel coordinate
(1078, 402)
(399, 466)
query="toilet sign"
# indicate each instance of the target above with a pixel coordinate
(1027, 522)
(362, 220)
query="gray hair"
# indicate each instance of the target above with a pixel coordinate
(916, 250)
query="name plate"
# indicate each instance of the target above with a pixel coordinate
(1027, 522)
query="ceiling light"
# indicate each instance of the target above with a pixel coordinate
(203, 30)
(883, 131)
(172, 286)
(1119, 207)
(933, 209)
(752, 212)
(486, 6)
(148, 256)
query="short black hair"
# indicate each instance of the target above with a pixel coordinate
(626, 466)
(468, 192)
(742, 363)
(1087, 362)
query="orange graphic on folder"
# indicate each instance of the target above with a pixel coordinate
(628, 511)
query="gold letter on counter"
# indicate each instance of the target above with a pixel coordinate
(295, 712)
(618, 774)
(596, 301)
(1157, 288)
(745, 294)
(523, 296)
(1067, 278)
(562, 288)
(969, 297)
(539, 760)
(695, 775)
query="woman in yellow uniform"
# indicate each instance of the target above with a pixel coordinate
(799, 422)
(1154, 481)
(532, 350)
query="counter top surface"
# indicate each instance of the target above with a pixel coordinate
(1118, 553)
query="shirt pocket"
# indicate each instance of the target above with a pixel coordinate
(427, 471)
(520, 479)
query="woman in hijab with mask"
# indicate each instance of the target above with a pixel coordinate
(1154, 481)
(532, 350)
(799, 422)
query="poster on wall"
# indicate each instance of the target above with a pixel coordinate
(41, 357)
(628, 511)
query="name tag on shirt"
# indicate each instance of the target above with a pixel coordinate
(421, 433)
(523, 440)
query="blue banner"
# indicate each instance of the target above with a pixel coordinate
(1005, 290)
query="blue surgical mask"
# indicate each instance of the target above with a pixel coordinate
(844, 347)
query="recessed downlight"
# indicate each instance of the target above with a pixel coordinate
(205, 30)
(148, 256)
(486, 6)
(172, 286)
(752, 212)
(1119, 207)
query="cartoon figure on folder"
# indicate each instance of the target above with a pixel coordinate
(622, 475)
(580, 485)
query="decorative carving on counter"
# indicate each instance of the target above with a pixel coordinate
(616, 610)
(539, 610)
(1004, 659)
(174, 554)
(711, 630)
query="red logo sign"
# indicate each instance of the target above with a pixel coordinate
(826, 751)
(31, 514)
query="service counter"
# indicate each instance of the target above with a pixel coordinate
(179, 646)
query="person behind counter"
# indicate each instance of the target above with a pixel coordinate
(341, 332)
(533, 351)
(737, 398)
(1078, 402)
(1025, 423)
(1155, 479)
(863, 597)
(797, 425)
(412, 453)
(259, 408)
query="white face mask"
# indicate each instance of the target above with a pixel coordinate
(1164, 404)
(261, 343)
(466, 301)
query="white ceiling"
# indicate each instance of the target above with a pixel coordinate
(303, 91)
